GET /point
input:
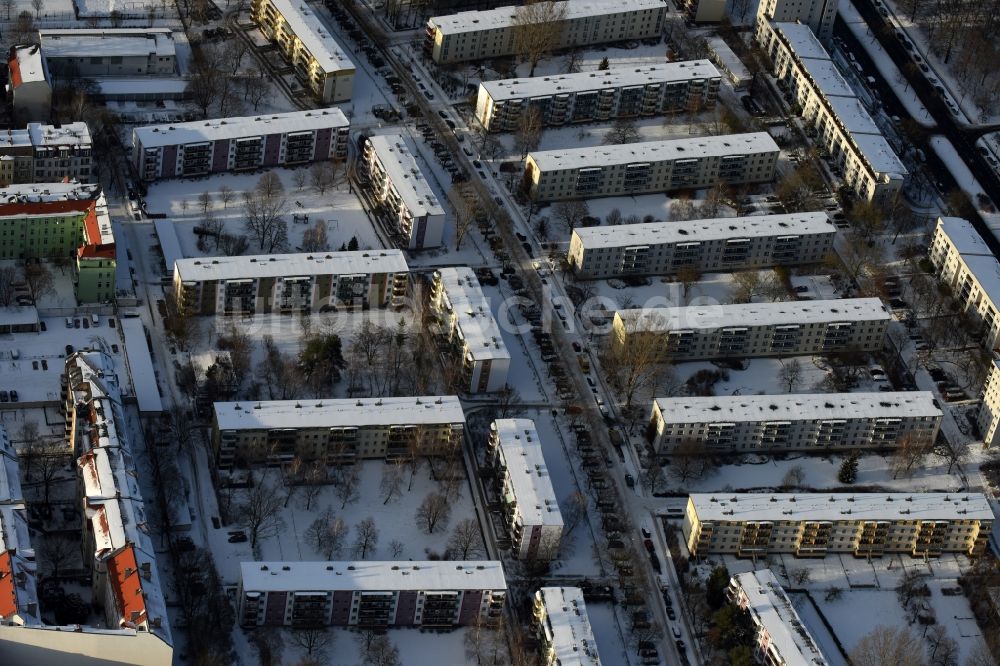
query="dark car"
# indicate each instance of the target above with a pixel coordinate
(4, 396)
(69, 349)
(13, 396)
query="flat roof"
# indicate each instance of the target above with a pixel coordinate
(710, 317)
(503, 17)
(372, 576)
(170, 244)
(123, 42)
(521, 448)
(41, 135)
(775, 612)
(140, 365)
(659, 233)
(476, 323)
(10, 480)
(841, 506)
(18, 315)
(27, 65)
(827, 78)
(567, 626)
(852, 114)
(45, 192)
(728, 58)
(122, 86)
(655, 151)
(198, 131)
(347, 412)
(801, 39)
(617, 77)
(963, 236)
(310, 30)
(396, 155)
(879, 154)
(356, 262)
(798, 407)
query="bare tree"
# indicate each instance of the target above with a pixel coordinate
(570, 213)
(465, 542)
(530, 126)
(226, 195)
(8, 276)
(314, 640)
(433, 512)
(635, 355)
(391, 485)
(9, 5)
(380, 651)
(58, 554)
(205, 202)
(746, 285)
(314, 239)
(321, 176)
(468, 209)
(326, 534)
(688, 276)
(365, 538)
(689, 460)
(299, 178)
(396, 547)
(256, 88)
(574, 510)
(260, 513)
(347, 484)
(537, 29)
(793, 477)
(800, 576)
(263, 207)
(38, 6)
(38, 278)
(790, 374)
(623, 131)
(912, 447)
(571, 63)
(888, 646)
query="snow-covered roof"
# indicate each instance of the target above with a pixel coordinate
(567, 626)
(827, 78)
(728, 58)
(798, 407)
(27, 65)
(963, 236)
(14, 533)
(310, 30)
(18, 315)
(140, 365)
(123, 42)
(356, 262)
(45, 192)
(395, 153)
(39, 135)
(372, 576)
(503, 17)
(475, 321)
(659, 233)
(521, 449)
(618, 77)
(801, 39)
(10, 474)
(120, 86)
(772, 608)
(879, 154)
(170, 244)
(107, 473)
(709, 317)
(853, 116)
(18, 589)
(841, 506)
(348, 412)
(986, 270)
(655, 151)
(198, 131)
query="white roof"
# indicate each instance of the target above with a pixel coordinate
(567, 626)
(841, 506)
(710, 317)
(395, 154)
(503, 17)
(170, 244)
(655, 151)
(10, 480)
(30, 64)
(521, 449)
(621, 76)
(964, 236)
(349, 412)
(14, 534)
(121, 86)
(827, 78)
(798, 407)
(852, 114)
(152, 136)
(661, 233)
(357, 262)
(124, 42)
(879, 154)
(108, 473)
(801, 39)
(140, 365)
(372, 576)
(774, 610)
(17, 315)
(42, 192)
(728, 58)
(310, 30)
(475, 320)
(38, 134)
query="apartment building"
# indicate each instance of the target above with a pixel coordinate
(988, 418)
(116, 541)
(813, 525)
(87, 52)
(29, 86)
(372, 595)
(781, 638)
(623, 92)
(62, 219)
(276, 432)
(817, 15)
(18, 590)
(720, 244)
(748, 330)
(562, 628)
(45, 154)
(292, 283)
(704, 11)
(467, 324)
(651, 166)
(399, 186)
(814, 422)
(247, 143)
(720, 53)
(319, 61)
(530, 508)
(474, 35)
(965, 263)
(843, 127)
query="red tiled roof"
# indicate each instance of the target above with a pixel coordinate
(15, 72)
(8, 588)
(96, 251)
(47, 207)
(126, 584)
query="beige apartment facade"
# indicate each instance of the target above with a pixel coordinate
(651, 167)
(866, 525)
(722, 244)
(818, 423)
(276, 432)
(748, 330)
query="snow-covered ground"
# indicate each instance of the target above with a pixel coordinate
(968, 182)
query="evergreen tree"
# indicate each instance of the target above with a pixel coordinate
(848, 469)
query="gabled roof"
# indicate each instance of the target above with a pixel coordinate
(126, 585)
